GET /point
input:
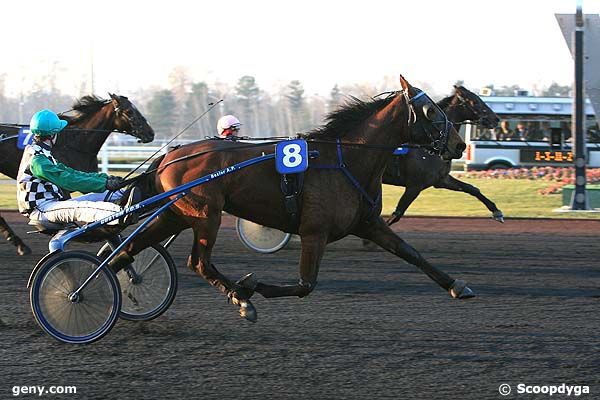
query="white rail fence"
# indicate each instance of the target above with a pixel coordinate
(113, 157)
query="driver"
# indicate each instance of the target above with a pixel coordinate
(228, 127)
(43, 184)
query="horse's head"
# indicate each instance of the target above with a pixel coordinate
(128, 119)
(429, 125)
(474, 109)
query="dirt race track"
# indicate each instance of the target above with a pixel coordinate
(375, 327)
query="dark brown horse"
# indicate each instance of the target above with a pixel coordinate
(77, 145)
(418, 169)
(332, 207)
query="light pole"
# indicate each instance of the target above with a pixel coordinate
(579, 199)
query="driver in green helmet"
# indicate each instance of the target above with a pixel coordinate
(43, 184)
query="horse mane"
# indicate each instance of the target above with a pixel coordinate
(445, 102)
(345, 119)
(84, 107)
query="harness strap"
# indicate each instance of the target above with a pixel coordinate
(291, 187)
(374, 203)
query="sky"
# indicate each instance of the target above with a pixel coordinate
(135, 44)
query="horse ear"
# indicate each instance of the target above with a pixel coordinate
(113, 96)
(404, 83)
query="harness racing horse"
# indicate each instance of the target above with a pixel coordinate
(419, 169)
(79, 143)
(336, 201)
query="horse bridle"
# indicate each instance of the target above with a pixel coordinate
(136, 125)
(438, 144)
(467, 105)
(135, 122)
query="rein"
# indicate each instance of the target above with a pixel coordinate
(438, 145)
(271, 141)
(483, 114)
(212, 105)
(4, 138)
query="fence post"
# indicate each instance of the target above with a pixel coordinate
(104, 157)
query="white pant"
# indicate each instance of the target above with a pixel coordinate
(86, 209)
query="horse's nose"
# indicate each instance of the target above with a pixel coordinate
(458, 150)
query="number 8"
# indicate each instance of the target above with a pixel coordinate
(292, 157)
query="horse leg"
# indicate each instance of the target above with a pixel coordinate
(380, 233)
(410, 194)
(452, 183)
(11, 237)
(206, 227)
(313, 247)
(167, 224)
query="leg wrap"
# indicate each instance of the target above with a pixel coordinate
(306, 287)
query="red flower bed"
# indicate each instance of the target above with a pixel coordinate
(559, 176)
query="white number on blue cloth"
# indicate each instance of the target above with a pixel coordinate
(291, 157)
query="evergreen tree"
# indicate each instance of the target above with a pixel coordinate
(335, 98)
(506, 90)
(298, 116)
(317, 110)
(179, 82)
(161, 113)
(247, 94)
(196, 104)
(556, 90)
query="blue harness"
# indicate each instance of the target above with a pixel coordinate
(375, 203)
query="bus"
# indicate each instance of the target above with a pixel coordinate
(533, 131)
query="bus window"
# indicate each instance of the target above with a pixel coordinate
(484, 134)
(565, 128)
(593, 134)
(556, 136)
(510, 131)
(532, 131)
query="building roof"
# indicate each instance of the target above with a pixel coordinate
(529, 105)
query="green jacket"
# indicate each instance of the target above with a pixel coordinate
(67, 178)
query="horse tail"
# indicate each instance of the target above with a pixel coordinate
(146, 180)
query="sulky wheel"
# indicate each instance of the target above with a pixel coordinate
(261, 238)
(72, 317)
(148, 285)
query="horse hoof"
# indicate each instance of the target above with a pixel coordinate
(460, 290)
(248, 311)
(23, 250)
(498, 216)
(248, 281)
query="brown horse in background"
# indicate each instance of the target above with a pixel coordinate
(79, 143)
(332, 207)
(418, 169)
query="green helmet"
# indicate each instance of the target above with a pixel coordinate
(46, 123)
